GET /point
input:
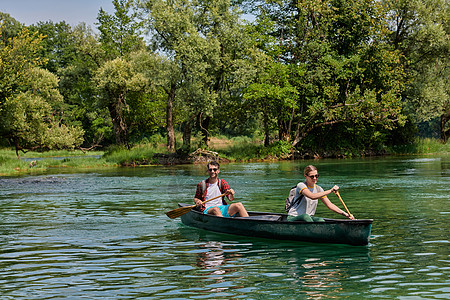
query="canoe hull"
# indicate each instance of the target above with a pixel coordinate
(275, 226)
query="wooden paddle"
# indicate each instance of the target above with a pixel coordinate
(175, 213)
(342, 201)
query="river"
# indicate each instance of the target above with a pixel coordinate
(104, 234)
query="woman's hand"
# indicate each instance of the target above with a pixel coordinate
(334, 189)
(351, 217)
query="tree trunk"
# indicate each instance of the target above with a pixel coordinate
(445, 133)
(205, 130)
(187, 131)
(266, 131)
(169, 119)
(119, 123)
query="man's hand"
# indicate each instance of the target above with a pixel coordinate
(229, 192)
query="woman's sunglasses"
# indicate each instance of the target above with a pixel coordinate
(314, 176)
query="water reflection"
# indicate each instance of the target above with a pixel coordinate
(312, 270)
(104, 235)
(217, 264)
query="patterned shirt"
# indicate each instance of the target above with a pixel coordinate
(200, 194)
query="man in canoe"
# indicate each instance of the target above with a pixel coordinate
(305, 201)
(214, 187)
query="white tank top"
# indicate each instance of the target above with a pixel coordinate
(213, 191)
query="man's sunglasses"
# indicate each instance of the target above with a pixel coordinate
(212, 169)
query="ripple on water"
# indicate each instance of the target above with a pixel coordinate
(104, 235)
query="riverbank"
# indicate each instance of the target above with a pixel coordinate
(222, 150)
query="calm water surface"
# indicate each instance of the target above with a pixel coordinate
(104, 235)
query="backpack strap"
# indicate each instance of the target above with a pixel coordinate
(203, 186)
(294, 201)
(297, 200)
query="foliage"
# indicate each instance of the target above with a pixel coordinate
(57, 46)
(207, 46)
(30, 103)
(79, 90)
(421, 146)
(341, 67)
(120, 33)
(420, 29)
(10, 27)
(117, 83)
(329, 77)
(122, 90)
(143, 154)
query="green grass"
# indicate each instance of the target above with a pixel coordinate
(142, 154)
(235, 149)
(40, 162)
(422, 146)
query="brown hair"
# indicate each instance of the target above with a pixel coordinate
(309, 169)
(213, 163)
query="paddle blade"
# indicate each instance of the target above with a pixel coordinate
(175, 213)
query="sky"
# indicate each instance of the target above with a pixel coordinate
(72, 11)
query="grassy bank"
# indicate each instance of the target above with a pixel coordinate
(239, 149)
(421, 146)
(41, 162)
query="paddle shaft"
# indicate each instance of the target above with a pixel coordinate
(183, 210)
(342, 201)
(211, 199)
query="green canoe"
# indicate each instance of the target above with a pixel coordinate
(275, 226)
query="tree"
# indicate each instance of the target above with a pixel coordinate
(420, 30)
(10, 26)
(116, 82)
(341, 65)
(119, 36)
(58, 46)
(30, 104)
(80, 91)
(273, 97)
(206, 42)
(120, 33)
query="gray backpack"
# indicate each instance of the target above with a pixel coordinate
(290, 201)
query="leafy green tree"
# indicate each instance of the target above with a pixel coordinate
(30, 103)
(10, 26)
(206, 42)
(342, 67)
(420, 30)
(273, 97)
(58, 46)
(121, 32)
(119, 36)
(116, 81)
(76, 71)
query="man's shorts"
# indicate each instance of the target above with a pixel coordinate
(223, 210)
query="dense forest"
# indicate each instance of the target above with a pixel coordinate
(306, 74)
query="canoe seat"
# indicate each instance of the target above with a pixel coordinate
(265, 217)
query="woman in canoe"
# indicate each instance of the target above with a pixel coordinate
(306, 197)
